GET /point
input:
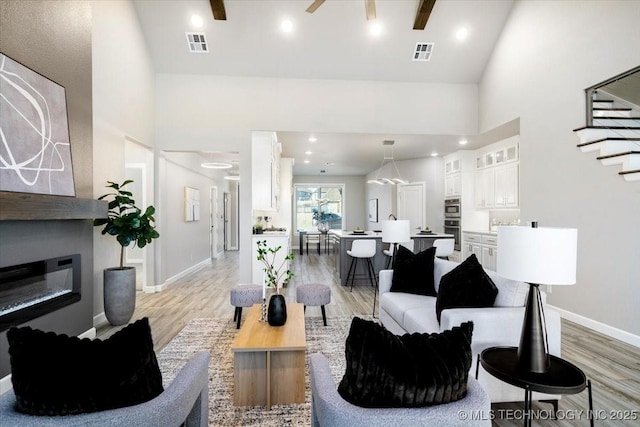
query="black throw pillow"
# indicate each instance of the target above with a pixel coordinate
(467, 285)
(384, 370)
(413, 273)
(59, 375)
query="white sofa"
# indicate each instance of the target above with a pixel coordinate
(499, 325)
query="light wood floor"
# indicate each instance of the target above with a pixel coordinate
(612, 366)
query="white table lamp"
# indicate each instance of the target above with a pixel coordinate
(395, 232)
(536, 256)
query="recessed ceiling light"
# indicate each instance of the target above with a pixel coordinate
(196, 21)
(434, 153)
(308, 152)
(286, 26)
(216, 165)
(462, 33)
(312, 139)
(375, 29)
(307, 161)
(463, 142)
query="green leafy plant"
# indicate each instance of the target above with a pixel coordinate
(267, 256)
(125, 220)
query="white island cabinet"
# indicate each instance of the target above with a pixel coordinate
(273, 240)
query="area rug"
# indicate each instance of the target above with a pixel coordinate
(216, 336)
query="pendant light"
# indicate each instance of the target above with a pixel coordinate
(394, 178)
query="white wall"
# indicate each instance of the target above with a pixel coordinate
(123, 107)
(549, 52)
(428, 170)
(198, 112)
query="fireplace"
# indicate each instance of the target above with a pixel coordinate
(33, 289)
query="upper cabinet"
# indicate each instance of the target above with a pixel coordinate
(497, 177)
(265, 172)
(452, 176)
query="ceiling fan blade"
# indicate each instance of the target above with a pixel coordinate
(217, 7)
(370, 6)
(422, 15)
(316, 4)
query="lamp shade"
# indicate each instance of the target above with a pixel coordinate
(538, 255)
(396, 231)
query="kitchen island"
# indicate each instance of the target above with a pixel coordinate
(343, 239)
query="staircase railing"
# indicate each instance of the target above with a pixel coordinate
(629, 80)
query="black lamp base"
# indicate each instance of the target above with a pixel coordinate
(532, 352)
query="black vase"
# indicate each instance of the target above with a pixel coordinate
(277, 311)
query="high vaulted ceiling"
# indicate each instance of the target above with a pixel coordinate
(334, 42)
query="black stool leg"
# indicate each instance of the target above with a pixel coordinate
(239, 317)
(346, 283)
(235, 314)
(353, 277)
(304, 309)
(324, 315)
(590, 403)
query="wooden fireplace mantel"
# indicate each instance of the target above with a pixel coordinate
(32, 207)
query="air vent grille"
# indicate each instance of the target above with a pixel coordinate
(423, 51)
(197, 43)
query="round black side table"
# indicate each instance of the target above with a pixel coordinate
(562, 377)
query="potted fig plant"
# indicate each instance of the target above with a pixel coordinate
(129, 225)
(277, 311)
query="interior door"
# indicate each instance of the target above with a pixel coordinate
(225, 219)
(213, 222)
(411, 204)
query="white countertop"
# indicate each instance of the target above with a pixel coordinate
(378, 235)
(492, 233)
(272, 234)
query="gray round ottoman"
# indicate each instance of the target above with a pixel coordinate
(244, 296)
(314, 294)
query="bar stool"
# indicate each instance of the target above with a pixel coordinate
(362, 249)
(444, 247)
(389, 252)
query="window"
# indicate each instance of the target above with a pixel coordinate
(318, 203)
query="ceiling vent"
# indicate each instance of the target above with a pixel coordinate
(197, 43)
(423, 51)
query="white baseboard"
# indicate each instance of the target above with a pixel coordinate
(175, 278)
(99, 320)
(5, 382)
(605, 329)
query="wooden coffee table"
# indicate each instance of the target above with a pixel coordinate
(269, 360)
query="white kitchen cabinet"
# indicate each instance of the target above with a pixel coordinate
(265, 171)
(485, 188)
(484, 246)
(506, 186)
(452, 185)
(489, 252)
(497, 187)
(452, 175)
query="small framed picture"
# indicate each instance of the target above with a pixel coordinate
(373, 210)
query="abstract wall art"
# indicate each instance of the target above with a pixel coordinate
(191, 204)
(35, 152)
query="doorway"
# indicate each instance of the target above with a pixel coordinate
(213, 222)
(410, 199)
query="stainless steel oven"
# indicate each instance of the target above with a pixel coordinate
(452, 226)
(452, 208)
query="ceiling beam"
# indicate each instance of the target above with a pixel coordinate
(370, 6)
(217, 7)
(316, 4)
(422, 15)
